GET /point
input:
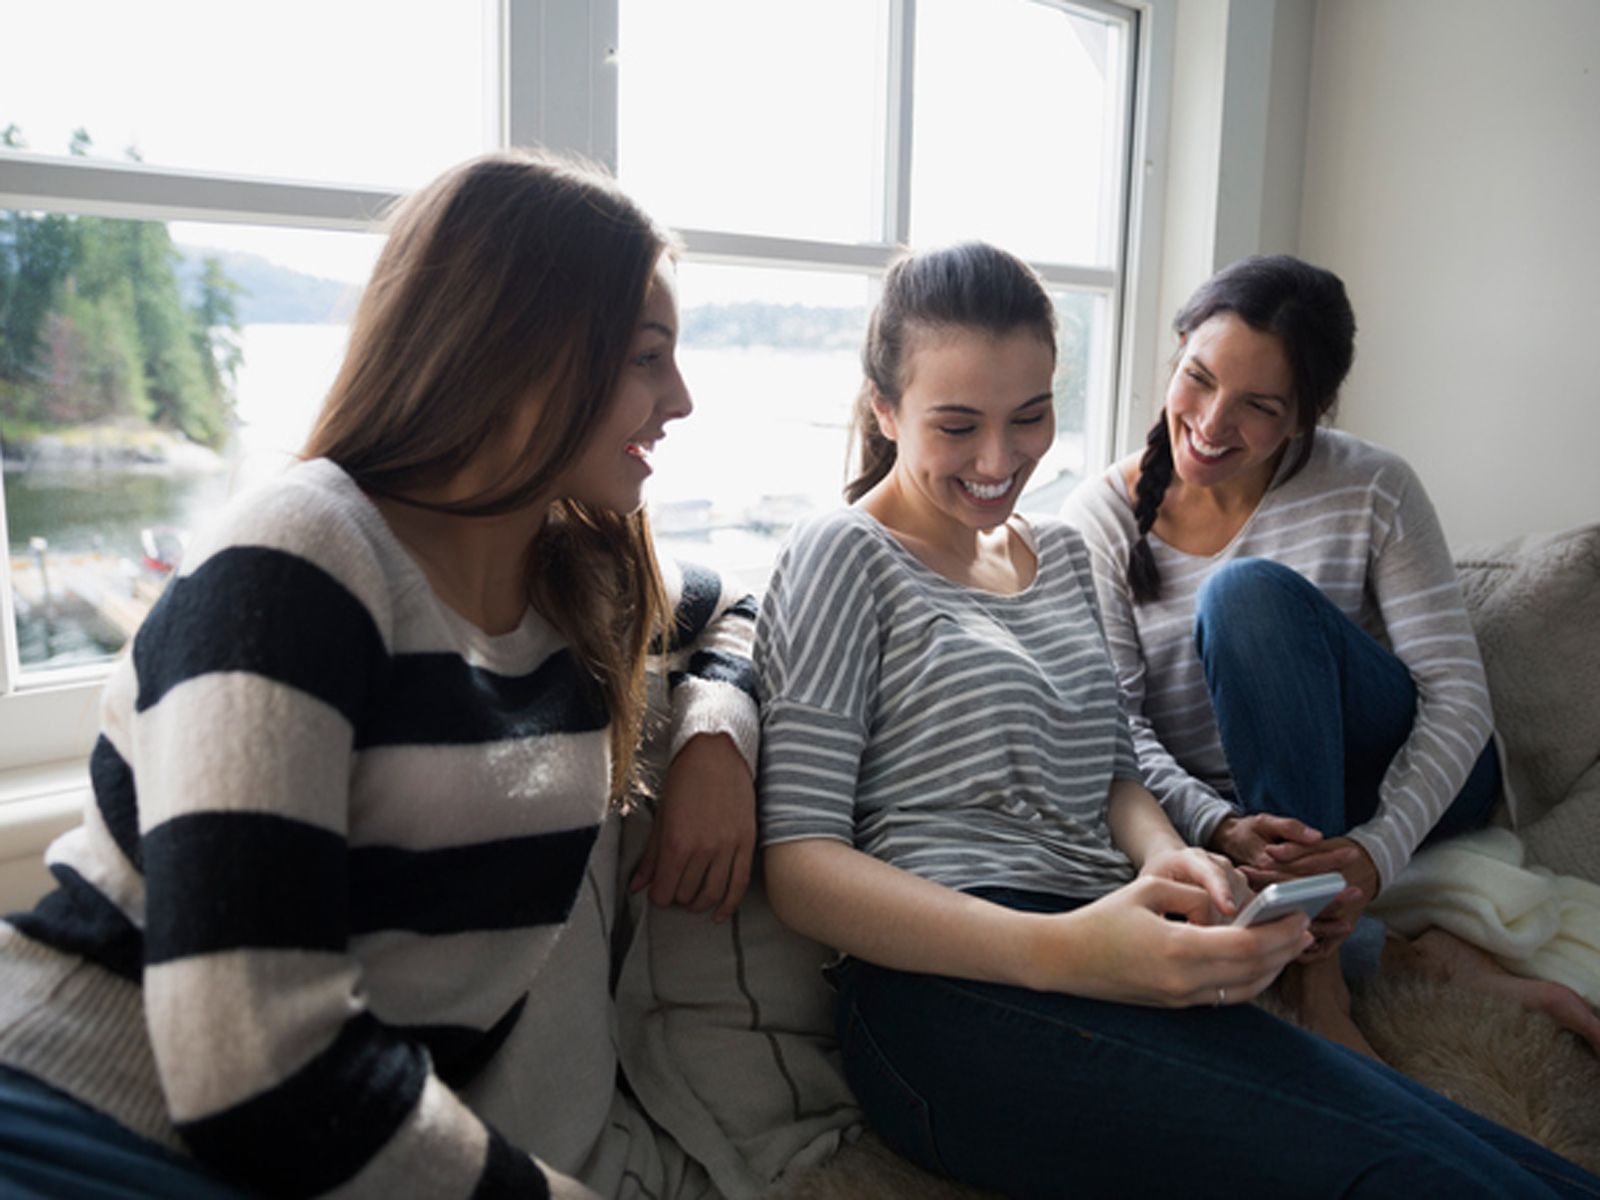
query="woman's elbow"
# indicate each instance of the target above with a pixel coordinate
(790, 869)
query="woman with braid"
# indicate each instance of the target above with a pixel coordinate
(1304, 687)
(950, 797)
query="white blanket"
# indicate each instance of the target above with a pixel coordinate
(1534, 922)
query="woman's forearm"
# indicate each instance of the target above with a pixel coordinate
(869, 909)
(1139, 825)
(1120, 947)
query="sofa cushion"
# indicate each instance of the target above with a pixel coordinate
(1535, 604)
(726, 1036)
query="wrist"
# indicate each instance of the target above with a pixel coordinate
(1155, 847)
(1220, 833)
(1037, 952)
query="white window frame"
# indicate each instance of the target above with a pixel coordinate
(556, 81)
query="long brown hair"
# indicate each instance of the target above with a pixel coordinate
(969, 286)
(512, 275)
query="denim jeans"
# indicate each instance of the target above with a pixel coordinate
(1041, 1095)
(1310, 708)
(53, 1147)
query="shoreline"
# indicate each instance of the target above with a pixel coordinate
(107, 447)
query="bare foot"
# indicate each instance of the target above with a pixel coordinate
(1445, 956)
(1321, 1001)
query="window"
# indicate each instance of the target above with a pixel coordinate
(181, 237)
(792, 151)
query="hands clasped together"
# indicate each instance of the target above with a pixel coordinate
(1271, 849)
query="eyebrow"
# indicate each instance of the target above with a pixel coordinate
(657, 327)
(1201, 363)
(968, 410)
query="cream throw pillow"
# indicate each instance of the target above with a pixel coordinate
(726, 1036)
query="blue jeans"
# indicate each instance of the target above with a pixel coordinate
(1041, 1095)
(52, 1147)
(1310, 708)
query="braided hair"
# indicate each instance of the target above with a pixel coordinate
(1306, 309)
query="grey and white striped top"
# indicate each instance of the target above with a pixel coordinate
(1357, 523)
(968, 737)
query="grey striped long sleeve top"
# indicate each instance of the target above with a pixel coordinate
(1357, 523)
(967, 737)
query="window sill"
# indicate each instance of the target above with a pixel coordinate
(39, 803)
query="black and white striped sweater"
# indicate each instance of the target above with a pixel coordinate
(336, 831)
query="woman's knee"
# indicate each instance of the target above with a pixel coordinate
(1247, 583)
(1248, 597)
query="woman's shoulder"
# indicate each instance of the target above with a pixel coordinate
(314, 516)
(1045, 533)
(833, 538)
(1341, 461)
(1347, 456)
(1099, 507)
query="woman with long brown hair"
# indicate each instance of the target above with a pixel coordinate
(352, 771)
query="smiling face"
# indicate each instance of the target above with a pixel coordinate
(1230, 406)
(611, 469)
(974, 418)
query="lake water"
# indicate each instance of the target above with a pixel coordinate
(765, 445)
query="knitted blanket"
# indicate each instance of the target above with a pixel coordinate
(1533, 921)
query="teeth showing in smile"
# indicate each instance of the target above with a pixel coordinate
(640, 450)
(1204, 448)
(989, 491)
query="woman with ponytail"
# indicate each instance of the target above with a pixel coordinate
(1304, 688)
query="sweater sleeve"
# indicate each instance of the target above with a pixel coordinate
(710, 678)
(248, 677)
(817, 663)
(1106, 523)
(1125, 764)
(1414, 582)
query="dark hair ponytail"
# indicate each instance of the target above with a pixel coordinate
(1306, 309)
(970, 286)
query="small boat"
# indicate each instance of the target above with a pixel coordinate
(163, 546)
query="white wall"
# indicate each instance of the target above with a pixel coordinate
(1235, 155)
(1452, 178)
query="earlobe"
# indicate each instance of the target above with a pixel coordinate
(883, 412)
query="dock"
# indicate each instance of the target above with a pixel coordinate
(110, 589)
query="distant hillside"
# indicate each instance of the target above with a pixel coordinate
(792, 326)
(269, 293)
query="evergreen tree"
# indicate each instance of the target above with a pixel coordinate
(217, 327)
(179, 395)
(93, 324)
(36, 254)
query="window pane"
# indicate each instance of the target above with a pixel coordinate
(772, 359)
(754, 118)
(1018, 129)
(132, 404)
(1082, 391)
(385, 92)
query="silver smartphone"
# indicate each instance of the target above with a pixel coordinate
(1309, 895)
